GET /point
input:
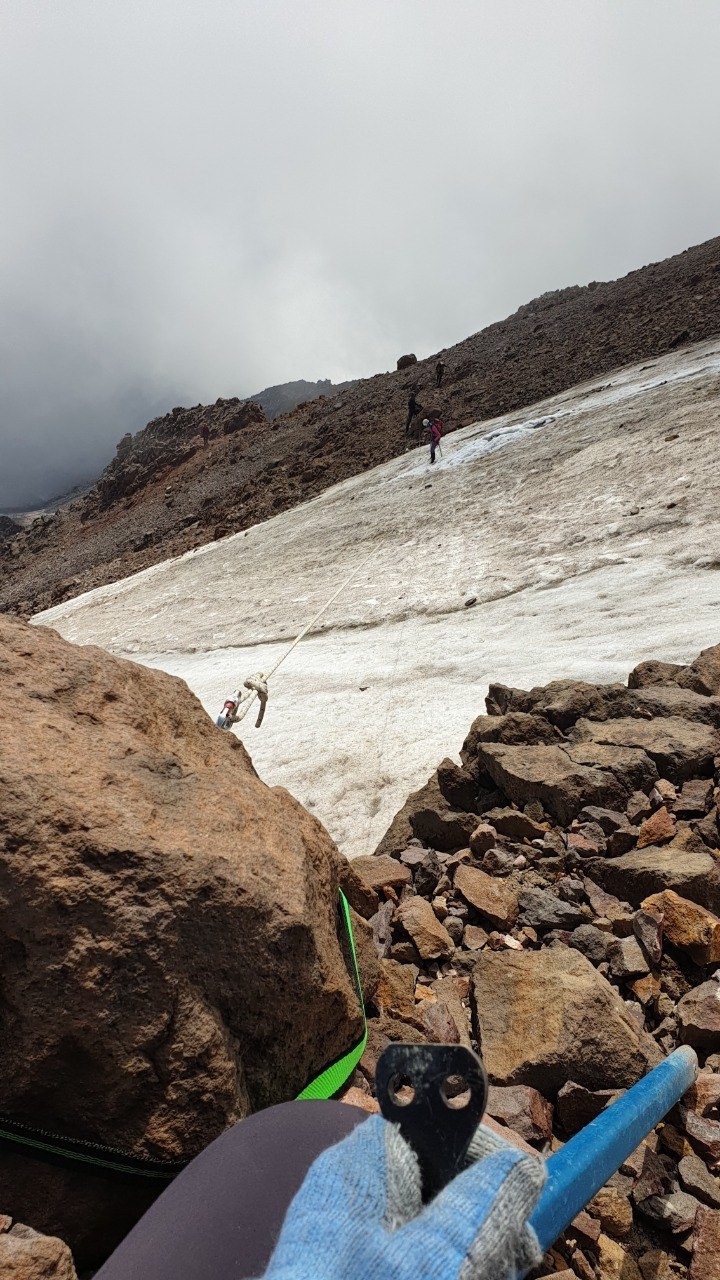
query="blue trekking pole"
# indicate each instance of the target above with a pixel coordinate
(583, 1166)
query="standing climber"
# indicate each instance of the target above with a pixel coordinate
(205, 433)
(435, 428)
(439, 371)
(414, 408)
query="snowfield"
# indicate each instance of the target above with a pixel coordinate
(587, 530)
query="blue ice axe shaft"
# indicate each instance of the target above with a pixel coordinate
(584, 1164)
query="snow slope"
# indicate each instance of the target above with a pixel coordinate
(588, 531)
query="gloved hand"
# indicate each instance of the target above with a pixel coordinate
(359, 1214)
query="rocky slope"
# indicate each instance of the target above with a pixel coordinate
(168, 927)
(554, 901)
(190, 496)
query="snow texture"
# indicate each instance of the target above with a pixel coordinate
(588, 534)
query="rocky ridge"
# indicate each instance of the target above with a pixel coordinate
(554, 902)
(165, 494)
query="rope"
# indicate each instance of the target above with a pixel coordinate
(256, 685)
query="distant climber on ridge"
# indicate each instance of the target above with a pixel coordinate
(414, 408)
(205, 433)
(439, 371)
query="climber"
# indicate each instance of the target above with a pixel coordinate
(317, 1191)
(414, 408)
(205, 433)
(439, 371)
(435, 429)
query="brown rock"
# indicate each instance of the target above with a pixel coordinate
(688, 926)
(614, 1211)
(626, 959)
(515, 825)
(363, 900)
(636, 875)
(474, 937)
(544, 1016)
(576, 1106)
(483, 838)
(656, 829)
(495, 900)
(704, 1095)
(586, 1229)
(395, 992)
(355, 1097)
(705, 1264)
(159, 916)
(375, 871)
(548, 774)
(646, 989)
(699, 1016)
(638, 808)
(523, 1109)
(652, 672)
(367, 959)
(429, 935)
(613, 1261)
(655, 1265)
(696, 1179)
(439, 1023)
(703, 675)
(704, 1135)
(695, 798)
(680, 749)
(27, 1255)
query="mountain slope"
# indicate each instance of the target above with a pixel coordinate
(575, 543)
(193, 495)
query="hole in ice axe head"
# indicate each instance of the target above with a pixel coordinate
(436, 1093)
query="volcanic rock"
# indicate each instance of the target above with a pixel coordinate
(642, 872)
(429, 935)
(614, 1211)
(523, 1109)
(548, 774)
(696, 1179)
(495, 900)
(545, 1016)
(656, 829)
(376, 872)
(699, 1015)
(25, 1254)
(542, 910)
(687, 925)
(576, 1106)
(626, 959)
(705, 1264)
(144, 922)
(591, 942)
(680, 749)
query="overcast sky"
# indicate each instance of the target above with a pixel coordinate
(199, 198)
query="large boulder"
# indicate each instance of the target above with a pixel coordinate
(679, 748)
(692, 873)
(169, 953)
(548, 774)
(702, 675)
(546, 1017)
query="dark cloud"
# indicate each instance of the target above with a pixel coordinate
(207, 197)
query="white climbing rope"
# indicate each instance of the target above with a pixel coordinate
(236, 708)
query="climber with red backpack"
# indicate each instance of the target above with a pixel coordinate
(434, 426)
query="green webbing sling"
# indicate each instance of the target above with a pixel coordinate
(334, 1076)
(57, 1149)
